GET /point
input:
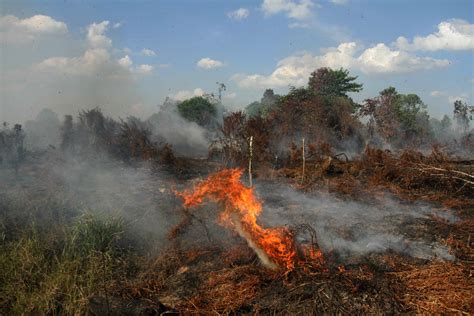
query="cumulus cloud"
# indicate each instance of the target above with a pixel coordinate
(96, 35)
(437, 94)
(208, 63)
(187, 94)
(239, 14)
(148, 52)
(91, 62)
(96, 59)
(144, 69)
(379, 59)
(339, 2)
(125, 62)
(298, 10)
(453, 34)
(13, 29)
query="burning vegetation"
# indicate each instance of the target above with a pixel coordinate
(346, 208)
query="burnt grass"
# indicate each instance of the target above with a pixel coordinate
(62, 255)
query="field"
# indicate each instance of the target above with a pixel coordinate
(381, 233)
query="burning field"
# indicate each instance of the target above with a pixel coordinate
(195, 238)
(294, 206)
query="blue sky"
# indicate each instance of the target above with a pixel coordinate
(67, 55)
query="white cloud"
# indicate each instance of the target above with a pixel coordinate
(339, 2)
(144, 69)
(299, 25)
(125, 62)
(239, 14)
(96, 60)
(437, 94)
(96, 35)
(148, 52)
(453, 34)
(187, 94)
(379, 59)
(117, 25)
(208, 63)
(13, 29)
(91, 62)
(451, 98)
(298, 10)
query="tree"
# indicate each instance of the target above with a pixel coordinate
(329, 82)
(397, 116)
(446, 123)
(463, 114)
(267, 103)
(67, 133)
(413, 117)
(220, 88)
(199, 110)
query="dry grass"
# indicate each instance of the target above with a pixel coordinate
(439, 288)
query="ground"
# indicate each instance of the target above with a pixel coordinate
(99, 236)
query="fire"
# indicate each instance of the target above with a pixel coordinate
(241, 208)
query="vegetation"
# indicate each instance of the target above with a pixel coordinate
(199, 110)
(397, 118)
(267, 104)
(463, 114)
(336, 83)
(55, 273)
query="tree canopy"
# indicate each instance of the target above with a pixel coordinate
(199, 110)
(266, 104)
(329, 82)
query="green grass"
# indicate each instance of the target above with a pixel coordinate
(55, 272)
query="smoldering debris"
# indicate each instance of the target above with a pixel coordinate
(353, 228)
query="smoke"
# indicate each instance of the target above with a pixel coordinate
(139, 195)
(187, 138)
(43, 131)
(352, 227)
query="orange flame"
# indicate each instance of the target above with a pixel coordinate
(274, 246)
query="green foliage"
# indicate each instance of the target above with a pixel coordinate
(267, 104)
(254, 109)
(199, 110)
(412, 115)
(93, 235)
(329, 82)
(463, 114)
(53, 274)
(400, 117)
(446, 122)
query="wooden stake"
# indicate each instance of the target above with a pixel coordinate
(250, 160)
(304, 162)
